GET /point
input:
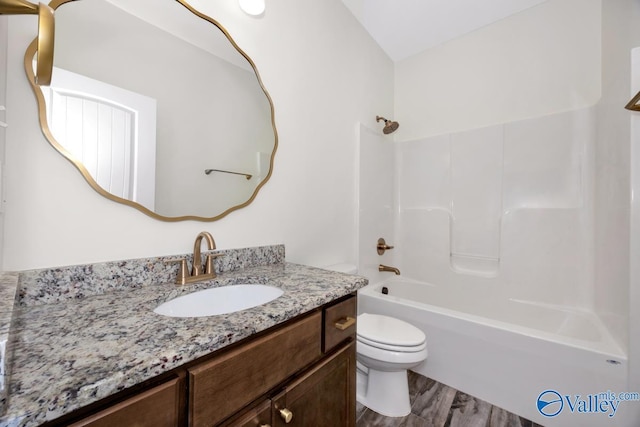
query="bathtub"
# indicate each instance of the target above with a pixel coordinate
(507, 352)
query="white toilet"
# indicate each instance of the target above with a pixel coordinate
(386, 347)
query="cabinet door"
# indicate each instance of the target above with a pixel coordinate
(325, 396)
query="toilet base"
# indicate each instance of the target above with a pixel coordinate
(386, 393)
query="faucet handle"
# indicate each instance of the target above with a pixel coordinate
(382, 246)
(208, 269)
(181, 279)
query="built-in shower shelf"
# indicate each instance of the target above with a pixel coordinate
(475, 265)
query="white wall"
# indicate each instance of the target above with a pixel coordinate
(543, 60)
(315, 60)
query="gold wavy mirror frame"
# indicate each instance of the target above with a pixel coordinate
(46, 33)
(262, 155)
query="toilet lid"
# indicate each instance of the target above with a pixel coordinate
(390, 347)
(376, 328)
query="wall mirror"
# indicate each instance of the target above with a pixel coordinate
(157, 107)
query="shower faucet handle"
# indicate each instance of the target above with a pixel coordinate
(382, 246)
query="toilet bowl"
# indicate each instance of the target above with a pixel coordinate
(385, 348)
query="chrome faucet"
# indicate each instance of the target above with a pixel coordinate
(387, 268)
(198, 273)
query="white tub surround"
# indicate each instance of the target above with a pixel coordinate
(492, 202)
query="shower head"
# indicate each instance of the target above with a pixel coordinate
(389, 126)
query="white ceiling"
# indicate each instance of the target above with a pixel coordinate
(406, 27)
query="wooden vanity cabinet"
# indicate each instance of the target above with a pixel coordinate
(300, 374)
(219, 387)
(303, 374)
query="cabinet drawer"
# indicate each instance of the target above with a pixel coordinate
(157, 407)
(232, 380)
(339, 323)
(256, 416)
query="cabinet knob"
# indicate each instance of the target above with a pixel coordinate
(286, 415)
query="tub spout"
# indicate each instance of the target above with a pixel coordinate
(387, 268)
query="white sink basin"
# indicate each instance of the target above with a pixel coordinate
(223, 300)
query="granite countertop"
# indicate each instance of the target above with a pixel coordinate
(73, 352)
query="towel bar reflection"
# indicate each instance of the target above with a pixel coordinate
(633, 104)
(246, 175)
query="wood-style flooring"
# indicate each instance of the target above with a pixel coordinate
(436, 405)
